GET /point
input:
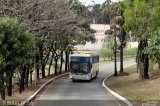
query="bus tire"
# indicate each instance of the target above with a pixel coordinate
(96, 74)
(91, 77)
(73, 80)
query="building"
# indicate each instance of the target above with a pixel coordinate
(132, 45)
(99, 35)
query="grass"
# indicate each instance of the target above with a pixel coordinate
(134, 88)
(101, 59)
(107, 54)
(129, 52)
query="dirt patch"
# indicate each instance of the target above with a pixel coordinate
(123, 74)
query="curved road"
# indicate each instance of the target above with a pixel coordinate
(64, 92)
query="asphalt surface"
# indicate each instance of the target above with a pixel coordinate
(64, 92)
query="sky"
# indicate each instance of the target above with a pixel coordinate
(87, 2)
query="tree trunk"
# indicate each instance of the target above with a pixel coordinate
(121, 59)
(42, 60)
(50, 64)
(9, 87)
(43, 69)
(115, 57)
(3, 96)
(31, 77)
(61, 62)
(21, 88)
(37, 66)
(66, 61)
(56, 63)
(9, 73)
(146, 61)
(143, 59)
(27, 77)
(146, 66)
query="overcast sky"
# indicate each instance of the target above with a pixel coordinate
(87, 2)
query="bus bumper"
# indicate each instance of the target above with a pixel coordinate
(80, 77)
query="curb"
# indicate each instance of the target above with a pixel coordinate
(29, 100)
(114, 93)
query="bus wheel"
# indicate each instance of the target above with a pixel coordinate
(91, 77)
(73, 80)
(96, 74)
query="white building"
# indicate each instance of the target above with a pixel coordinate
(132, 45)
(99, 35)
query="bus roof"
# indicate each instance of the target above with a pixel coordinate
(83, 55)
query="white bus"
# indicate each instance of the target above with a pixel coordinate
(83, 66)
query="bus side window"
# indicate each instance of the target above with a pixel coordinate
(93, 59)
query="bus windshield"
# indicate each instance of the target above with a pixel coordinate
(79, 67)
(80, 64)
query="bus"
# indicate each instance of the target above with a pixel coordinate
(83, 66)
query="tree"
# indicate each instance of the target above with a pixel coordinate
(47, 19)
(15, 44)
(140, 19)
(117, 20)
(97, 15)
(106, 16)
(108, 45)
(153, 50)
(79, 34)
(58, 27)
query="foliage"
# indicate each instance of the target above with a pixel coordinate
(97, 15)
(137, 16)
(15, 41)
(115, 11)
(141, 18)
(108, 43)
(57, 26)
(78, 7)
(154, 47)
(15, 45)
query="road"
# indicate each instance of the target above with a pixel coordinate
(64, 92)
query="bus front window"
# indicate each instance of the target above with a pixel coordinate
(74, 66)
(79, 67)
(84, 67)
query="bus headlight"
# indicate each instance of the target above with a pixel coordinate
(70, 76)
(88, 76)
